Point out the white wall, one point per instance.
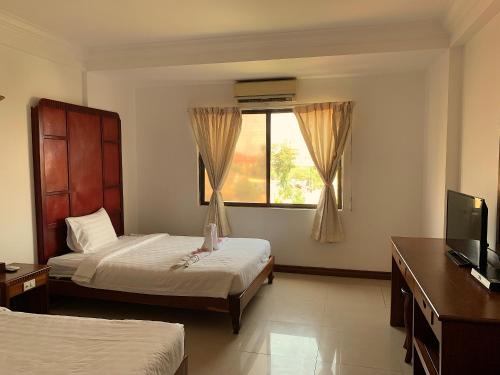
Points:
(118, 97)
(481, 118)
(385, 171)
(442, 136)
(434, 147)
(23, 79)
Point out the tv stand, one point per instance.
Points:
(456, 322)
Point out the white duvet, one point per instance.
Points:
(61, 345)
(144, 264)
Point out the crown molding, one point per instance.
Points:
(465, 17)
(21, 35)
(314, 43)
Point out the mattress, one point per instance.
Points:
(64, 266)
(144, 264)
(46, 344)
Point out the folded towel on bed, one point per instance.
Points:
(212, 242)
(219, 244)
(211, 238)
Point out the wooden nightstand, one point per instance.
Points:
(27, 289)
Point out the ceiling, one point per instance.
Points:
(105, 23)
(315, 67)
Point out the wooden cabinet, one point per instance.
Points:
(26, 289)
(456, 322)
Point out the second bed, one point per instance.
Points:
(49, 344)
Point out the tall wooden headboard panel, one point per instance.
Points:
(77, 169)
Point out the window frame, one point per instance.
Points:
(267, 112)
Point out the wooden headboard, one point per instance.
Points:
(77, 169)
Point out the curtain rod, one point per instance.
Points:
(249, 106)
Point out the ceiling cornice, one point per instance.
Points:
(19, 34)
(325, 42)
(465, 17)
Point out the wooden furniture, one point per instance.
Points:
(456, 322)
(26, 289)
(77, 170)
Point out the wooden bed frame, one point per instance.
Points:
(77, 170)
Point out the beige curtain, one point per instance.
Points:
(216, 131)
(325, 128)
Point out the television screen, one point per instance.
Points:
(466, 221)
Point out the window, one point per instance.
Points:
(271, 165)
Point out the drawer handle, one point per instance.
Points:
(432, 317)
(399, 261)
(423, 303)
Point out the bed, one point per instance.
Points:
(77, 171)
(50, 344)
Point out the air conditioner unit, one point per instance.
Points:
(266, 91)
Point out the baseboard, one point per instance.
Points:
(379, 275)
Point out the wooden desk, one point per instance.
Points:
(456, 322)
(14, 294)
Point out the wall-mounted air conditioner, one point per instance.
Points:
(266, 91)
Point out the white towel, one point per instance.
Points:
(211, 238)
(219, 244)
(210, 244)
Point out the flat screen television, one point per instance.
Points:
(466, 226)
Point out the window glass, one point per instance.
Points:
(294, 178)
(246, 181)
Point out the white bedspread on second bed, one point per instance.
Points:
(61, 345)
(144, 265)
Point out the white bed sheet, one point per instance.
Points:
(144, 265)
(61, 345)
(65, 265)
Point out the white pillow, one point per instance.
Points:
(89, 233)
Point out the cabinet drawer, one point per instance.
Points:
(399, 262)
(429, 313)
(409, 279)
(404, 270)
(18, 287)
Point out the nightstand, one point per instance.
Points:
(27, 289)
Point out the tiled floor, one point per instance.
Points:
(299, 325)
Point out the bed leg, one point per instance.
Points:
(270, 278)
(236, 320)
(235, 312)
